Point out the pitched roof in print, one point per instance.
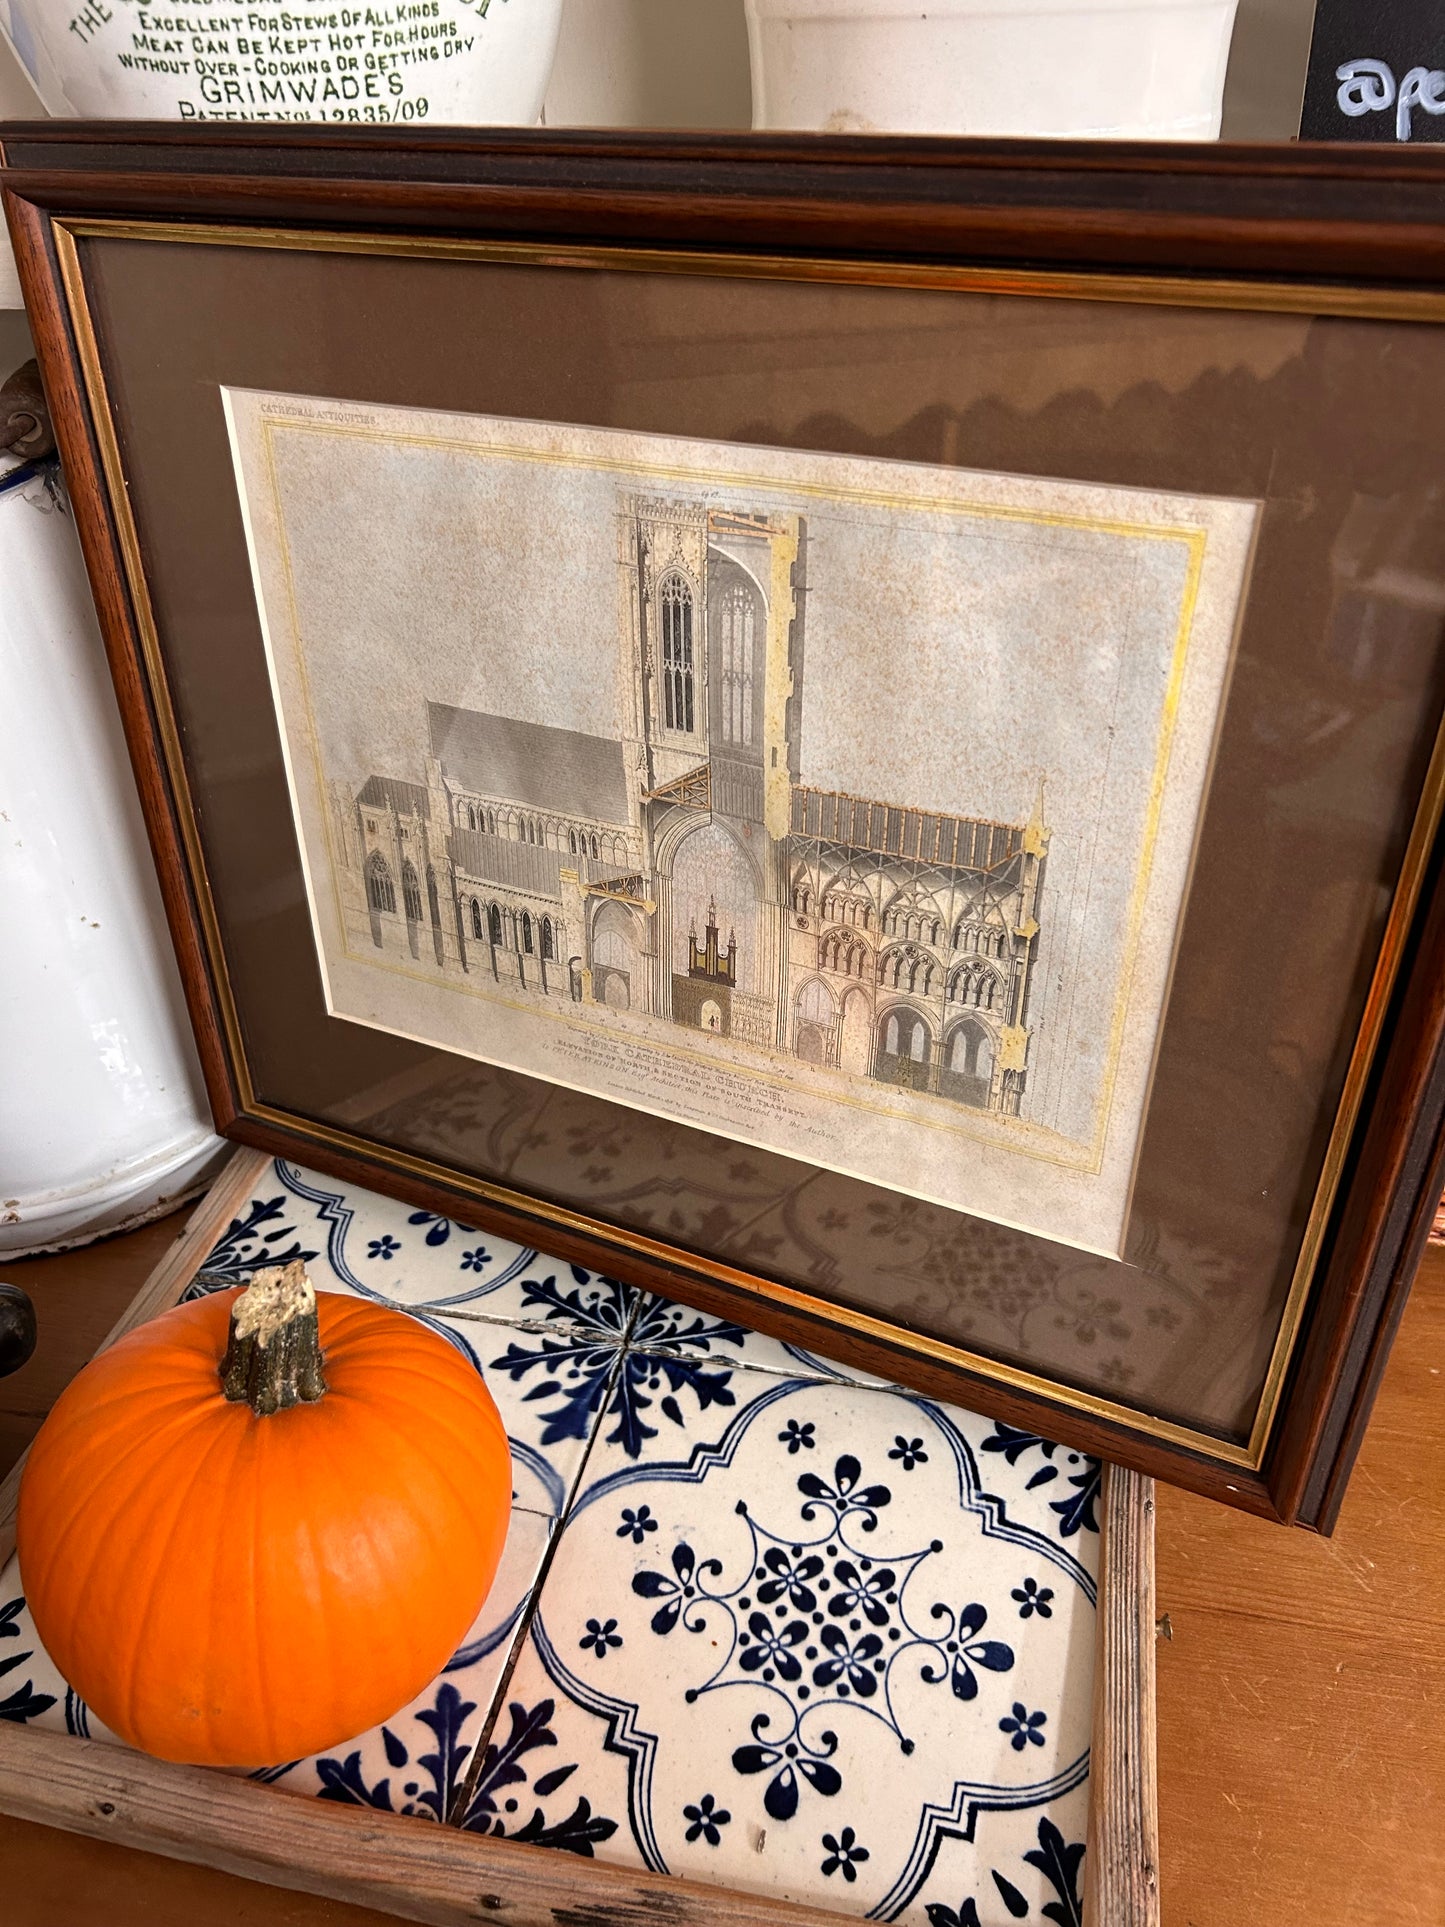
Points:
(389, 792)
(895, 829)
(530, 763)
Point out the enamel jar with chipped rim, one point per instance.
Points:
(103, 1118)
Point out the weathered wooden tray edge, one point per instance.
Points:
(442, 1876)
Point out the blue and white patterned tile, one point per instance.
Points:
(1047, 1486)
(357, 1241)
(791, 1642)
(414, 1763)
(1024, 1864)
(521, 1787)
(32, 1691)
(675, 1367)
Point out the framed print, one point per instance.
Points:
(846, 729)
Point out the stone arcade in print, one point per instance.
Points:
(681, 870)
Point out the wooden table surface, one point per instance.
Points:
(1301, 1697)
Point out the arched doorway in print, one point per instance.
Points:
(712, 876)
(813, 1023)
(856, 1037)
(710, 1016)
(616, 963)
(966, 1070)
(616, 990)
(905, 1048)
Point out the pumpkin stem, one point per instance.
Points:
(273, 1354)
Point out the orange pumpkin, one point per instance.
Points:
(260, 1524)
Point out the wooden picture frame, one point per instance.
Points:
(1338, 243)
(439, 1874)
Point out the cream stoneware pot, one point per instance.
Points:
(103, 1118)
(399, 62)
(1111, 69)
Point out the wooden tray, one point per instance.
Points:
(440, 1874)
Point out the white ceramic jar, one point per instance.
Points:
(1106, 69)
(398, 62)
(103, 1117)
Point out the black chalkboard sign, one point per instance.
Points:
(1376, 73)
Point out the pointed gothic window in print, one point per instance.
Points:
(675, 602)
(738, 616)
(380, 890)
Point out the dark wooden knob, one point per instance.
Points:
(17, 1329)
(24, 418)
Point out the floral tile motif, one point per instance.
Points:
(31, 1690)
(672, 1366)
(40, 1695)
(519, 1797)
(812, 1639)
(1029, 1866)
(414, 1763)
(660, 1365)
(1048, 1487)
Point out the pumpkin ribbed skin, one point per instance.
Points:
(232, 1590)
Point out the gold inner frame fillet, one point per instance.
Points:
(1218, 293)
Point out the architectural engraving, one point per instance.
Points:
(682, 871)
